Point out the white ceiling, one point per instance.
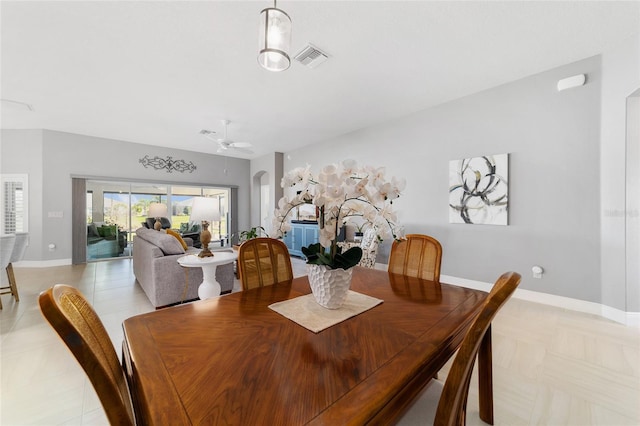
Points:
(159, 72)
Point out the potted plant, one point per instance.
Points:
(340, 192)
(359, 232)
(254, 232)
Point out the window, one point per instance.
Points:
(15, 196)
(89, 207)
(180, 209)
(125, 205)
(181, 201)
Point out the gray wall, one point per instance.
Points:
(553, 141)
(567, 176)
(64, 155)
(21, 153)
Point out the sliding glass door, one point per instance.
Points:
(181, 201)
(220, 230)
(114, 210)
(108, 220)
(142, 195)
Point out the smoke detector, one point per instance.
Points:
(311, 56)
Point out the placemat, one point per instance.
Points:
(305, 311)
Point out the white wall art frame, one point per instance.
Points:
(479, 190)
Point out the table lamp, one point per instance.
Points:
(205, 210)
(158, 211)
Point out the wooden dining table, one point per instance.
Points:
(232, 360)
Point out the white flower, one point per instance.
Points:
(297, 175)
(376, 175)
(396, 187)
(349, 168)
(305, 196)
(326, 237)
(388, 214)
(359, 189)
(342, 192)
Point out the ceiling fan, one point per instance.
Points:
(225, 143)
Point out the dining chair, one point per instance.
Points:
(263, 261)
(416, 256)
(22, 241)
(6, 249)
(446, 404)
(369, 246)
(73, 318)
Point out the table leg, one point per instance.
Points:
(485, 378)
(210, 287)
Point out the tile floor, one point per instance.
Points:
(551, 366)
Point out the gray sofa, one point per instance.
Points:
(156, 268)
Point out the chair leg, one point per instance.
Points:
(12, 282)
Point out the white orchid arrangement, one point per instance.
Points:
(341, 192)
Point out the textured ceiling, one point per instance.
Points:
(159, 72)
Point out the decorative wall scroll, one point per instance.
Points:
(168, 163)
(479, 190)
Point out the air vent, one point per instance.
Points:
(311, 56)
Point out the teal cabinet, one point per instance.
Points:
(301, 235)
(288, 240)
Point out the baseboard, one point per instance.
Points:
(42, 263)
(630, 319)
(633, 319)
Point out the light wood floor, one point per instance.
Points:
(551, 366)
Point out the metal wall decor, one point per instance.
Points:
(168, 163)
(479, 190)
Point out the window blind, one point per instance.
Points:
(14, 204)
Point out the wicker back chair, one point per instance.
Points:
(451, 399)
(417, 256)
(73, 318)
(263, 261)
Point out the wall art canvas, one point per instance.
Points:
(479, 190)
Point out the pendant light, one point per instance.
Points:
(275, 38)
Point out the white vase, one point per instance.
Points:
(329, 286)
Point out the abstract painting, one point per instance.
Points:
(479, 190)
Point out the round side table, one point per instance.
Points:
(210, 287)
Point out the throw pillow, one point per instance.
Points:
(178, 237)
(166, 243)
(169, 245)
(107, 231)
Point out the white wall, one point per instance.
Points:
(64, 155)
(270, 166)
(621, 77)
(553, 141)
